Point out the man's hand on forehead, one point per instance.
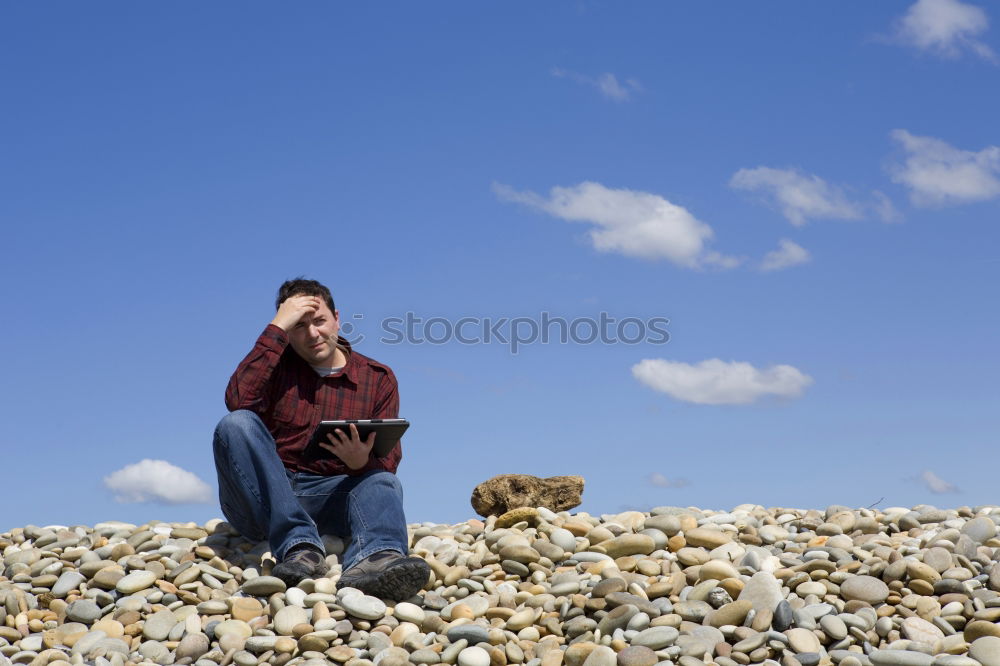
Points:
(294, 309)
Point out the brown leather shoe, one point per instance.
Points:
(301, 562)
(387, 575)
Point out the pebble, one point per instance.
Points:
(703, 537)
(407, 612)
(637, 655)
(732, 613)
(656, 638)
(833, 626)
(986, 650)
(563, 538)
(193, 646)
(802, 640)
(136, 581)
(601, 656)
(783, 616)
(263, 586)
(474, 656)
(900, 658)
(762, 590)
(287, 618)
(364, 606)
(258, 644)
(66, 583)
(245, 608)
(213, 607)
(83, 610)
(920, 630)
(158, 625)
(629, 544)
(154, 651)
(473, 633)
(236, 628)
(869, 589)
(980, 529)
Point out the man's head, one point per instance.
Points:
(314, 337)
(304, 287)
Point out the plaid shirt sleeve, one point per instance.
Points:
(249, 386)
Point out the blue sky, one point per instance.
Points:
(808, 193)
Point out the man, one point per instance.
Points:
(300, 372)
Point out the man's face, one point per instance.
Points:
(314, 338)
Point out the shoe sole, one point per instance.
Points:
(397, 582)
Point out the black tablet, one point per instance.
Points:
(387, 433)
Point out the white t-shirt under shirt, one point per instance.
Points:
(326, 372)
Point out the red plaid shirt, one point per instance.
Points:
(291, 398)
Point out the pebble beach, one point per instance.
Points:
(854, 587)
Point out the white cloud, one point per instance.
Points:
(629, 222)
(944, 27)
(799, 196)
(607, 83)
(938, 174)
(936, 484)
(788, 254)
(660, 481)
(715, 382)
(884, 208)
(157, 481)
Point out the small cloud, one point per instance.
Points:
(607, 83)
(788, 254)
(884, 208)
(628, 222)
(936, 484)
(946, 28)
(939, 174)
(660, 481)
(157, 481)
(715, 382)
(799, 196)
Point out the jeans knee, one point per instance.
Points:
(384, 482)
(234, 427)
(234, 422)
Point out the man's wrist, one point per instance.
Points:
(355, 469)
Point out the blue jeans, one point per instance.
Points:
(263, 500)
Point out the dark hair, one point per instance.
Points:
(302, 287)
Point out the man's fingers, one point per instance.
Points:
(307, 301)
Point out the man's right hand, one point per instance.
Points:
(294, 309)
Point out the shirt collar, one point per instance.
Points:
(350, 370)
